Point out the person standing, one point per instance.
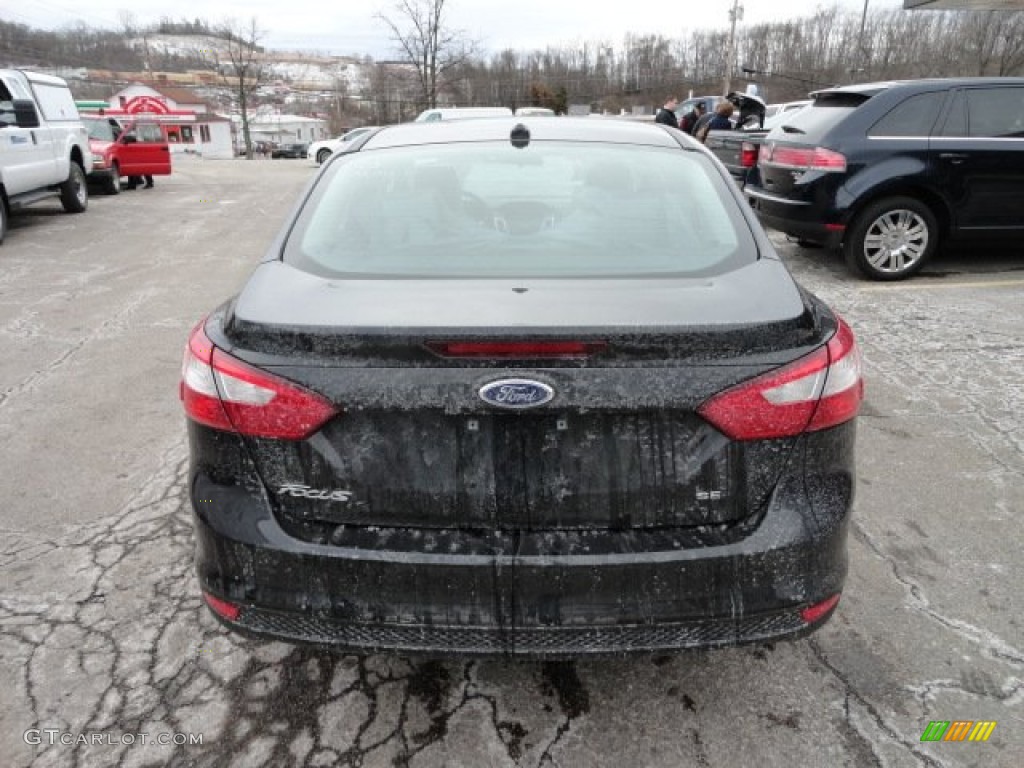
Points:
(667, 114)
(135, 181)
(714, 121)
(721, 121)
(689, 120)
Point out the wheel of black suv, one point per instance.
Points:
(892, 238)
(3, 220)
(74, 193)
(112, 185)
(322, 156)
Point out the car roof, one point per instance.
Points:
(540, 129)
(868, 89)
(871, 89)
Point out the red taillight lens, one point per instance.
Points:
(816, 392)
(828, 160)
(517, 349)
(802, 158)
(198, 390)
(813, 613)
(748, 154)
(224, 393)
(223, 608)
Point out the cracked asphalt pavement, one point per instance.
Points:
(103, 637)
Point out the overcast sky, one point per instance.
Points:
(350, 27)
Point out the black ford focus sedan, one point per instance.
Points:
(522, 386)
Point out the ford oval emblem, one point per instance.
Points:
(516, 393)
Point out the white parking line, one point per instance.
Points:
(927, 285)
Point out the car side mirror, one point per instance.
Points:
(128, 138)
(25, 115)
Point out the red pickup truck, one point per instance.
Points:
(133, 149)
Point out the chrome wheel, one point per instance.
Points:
(896, 241)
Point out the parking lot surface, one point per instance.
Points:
(106, 650)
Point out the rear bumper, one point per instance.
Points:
(531, 594)
(797, 218)
(529, 642)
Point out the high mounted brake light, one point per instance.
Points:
(532, 350)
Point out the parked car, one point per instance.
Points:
(786, 106)
(471, 403)
(44, 149)
(293, 150)
(738, 149)
(709, 102)
(137, 148)
(890, 171)
(460, 113)
(260, 148)
(320, 151)
(534, 112)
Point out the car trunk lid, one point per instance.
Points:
(618, 446)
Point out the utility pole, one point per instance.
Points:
(860, 39)
(735, 14)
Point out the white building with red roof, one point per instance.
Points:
(190, 124)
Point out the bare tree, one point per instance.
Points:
(420, 30)
(239, 60)
(390, 87)
(1011, 56)
(993, 41)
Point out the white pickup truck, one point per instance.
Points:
(44, 148)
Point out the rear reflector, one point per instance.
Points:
(225, 393)
(819, 391)
(530, 350)
(802, 158)
(223, 608)
(813, 613)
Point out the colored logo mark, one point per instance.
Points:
(958, 730)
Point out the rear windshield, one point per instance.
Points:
(552, 209)
(781, 118)
(812, 123)
(101, 130)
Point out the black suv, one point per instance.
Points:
(295, 150)
(888, 170)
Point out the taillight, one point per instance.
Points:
(224, 393)
(526, 350)
(818, 391)
(802, 158)
(748, 154)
